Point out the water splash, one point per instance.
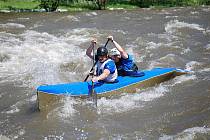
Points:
(65, 109)
(184, 78)
(167, 61)
(3, 137)
(54, 137)
(90, 14)
(207, 47)
(15, 107)
(173, 25)
(68, 108)
(128, 102)
(188, 134)
(12, 25)
(35, 58)
(193, 65)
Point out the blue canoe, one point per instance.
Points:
(49, 93)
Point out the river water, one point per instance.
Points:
(49, 48)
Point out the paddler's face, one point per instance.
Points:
(102, 58)
(116, 58)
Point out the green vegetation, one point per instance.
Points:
(49, 5)
(18, 4)
(169, 3)
(81, 5)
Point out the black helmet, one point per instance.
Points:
(101, 51)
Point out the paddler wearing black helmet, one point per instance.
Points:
(105, 67)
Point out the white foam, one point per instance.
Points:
(3, 137)
(192, 65)
(12, 25)
(153, 93)
(35, 57)
(207, 31)
(20, 132)
(187, 134)
(54, 137)
(207, 47)
(171, 17)
(184, 78)
(69, 17)
(173, 25)
(205, 70)
(164, 61)
(147, 18)
(154, 64)
(194, 12)
(91, 14)
(185, 51)
(169, 57)
(153, 45)
(128, 102)
(33, 98)
(24, 18)
(206, 9)
(14, 109)
(67, 110)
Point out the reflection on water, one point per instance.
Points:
(49, 48)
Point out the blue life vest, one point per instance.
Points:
(127, 67)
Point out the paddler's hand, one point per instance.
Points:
(91, 73)
(93, 41)
(95, 79)
(110, 38)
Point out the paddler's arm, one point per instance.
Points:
(90, 49)
(123, 53)
(102, 76)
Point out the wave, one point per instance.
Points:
(193, 65)
(12, 25)
(35, 58)
(4, 137)
(173, 25)
(129, 102)
(189, 134)
(184, 78)
(207, 47)
(66, 110)
(167, 61)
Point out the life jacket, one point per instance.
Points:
(100, 68)
(126, 67)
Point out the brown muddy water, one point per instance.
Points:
(49, 48)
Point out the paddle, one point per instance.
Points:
(92, 86)
(94, 63)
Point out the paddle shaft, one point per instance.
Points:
(93, 94)
(92, 86)
(94, 63)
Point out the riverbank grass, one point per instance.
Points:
(18, 4)
(121, 6)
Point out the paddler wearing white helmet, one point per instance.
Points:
(124, 62)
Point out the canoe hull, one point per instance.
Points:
(47, 100)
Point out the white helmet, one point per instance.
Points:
(114, 51)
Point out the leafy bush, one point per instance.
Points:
(49, 5)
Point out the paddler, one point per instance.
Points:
(105, 67)
(124, 61)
